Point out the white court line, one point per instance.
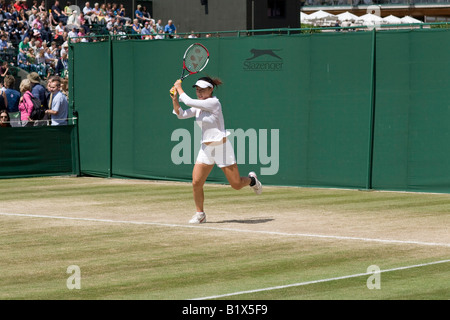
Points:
(320, 281)
(305, 235)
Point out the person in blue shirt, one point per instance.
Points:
(12, 95)
(140, 15)
(59, 105)
(170, 28)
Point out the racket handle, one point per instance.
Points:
(173, 90)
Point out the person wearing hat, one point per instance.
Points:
(215, 146)
(37, 90)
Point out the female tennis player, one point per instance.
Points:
(215, 148)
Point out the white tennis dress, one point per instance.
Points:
(209, 117)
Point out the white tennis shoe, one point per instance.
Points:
(199, 217)
(258, 186)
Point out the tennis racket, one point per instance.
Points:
(195, 60)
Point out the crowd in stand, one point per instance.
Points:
(36, 39)
(17, 107)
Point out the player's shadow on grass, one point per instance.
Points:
(247, 221)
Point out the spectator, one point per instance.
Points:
(4, 69)
(59, 105)
(3, 43)
(83, 23)
(147, 31)
(104, 14)
(139, 15)
(100, 13)
(3, 102)
(136, 28)
(68, 9)
(42, 7)
(159, 26)
(72, 20)
(73, 33)
(26, 105)
(170, 29)
(37, 23)
(89, 14)
(32, 16)
(120, 14)
(4, 119)
(37, 89)
(146, 13)
(58, 14)
(19, 5)
(59, 33)
(35, 6)
(12, 95)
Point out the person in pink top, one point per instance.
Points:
(25, 104)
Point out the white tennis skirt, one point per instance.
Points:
(221, 154)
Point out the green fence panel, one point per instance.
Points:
(412, 132)
(38, 151)
(91, 96)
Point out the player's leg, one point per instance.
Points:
(226, 160)
(236, 181)
(199, 175)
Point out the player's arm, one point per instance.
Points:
(177, 110)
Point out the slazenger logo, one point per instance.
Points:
(263, 60)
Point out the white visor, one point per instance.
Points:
(202, 84)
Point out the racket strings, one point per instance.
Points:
(196, 58)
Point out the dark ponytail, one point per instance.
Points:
(214, 81)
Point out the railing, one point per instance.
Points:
(373, 2)
(279, 31)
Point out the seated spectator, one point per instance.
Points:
(170, 28)
(4, 69)
(147, 31)
(139, 15)
(58, 14)
(62, 66)
(73, 33)
(37, 23)
(3, 42)
(99, 13)
(4, 118)
(159, 26)
(89, 14)
(121, 14)
(42, 7)
(59, 33)
(146, 13)
(73, 19)
(82, 33)
(19, 5)
(13, 33)
(35, 6)
(32, 16)
(136, 28)
(68, 9)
